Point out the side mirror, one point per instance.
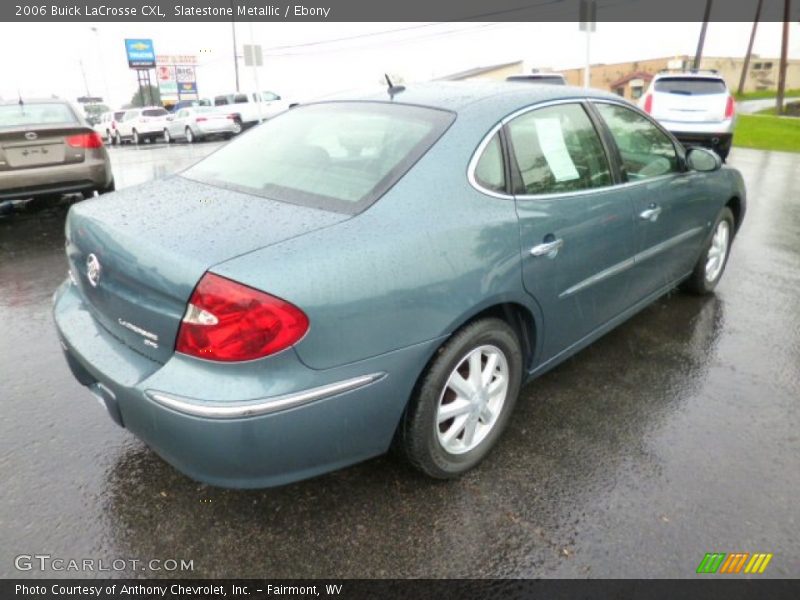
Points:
(703, 159)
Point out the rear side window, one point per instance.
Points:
(490, 170)
(220, 101)
(558, 150)
(338, 156)
(118, 115)
(690, 86)
(154, 112)
(27, 115)
(240, 99)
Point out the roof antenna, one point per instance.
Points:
(393, 89)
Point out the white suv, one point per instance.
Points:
(696, 106)
(140, 124)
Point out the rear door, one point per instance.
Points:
(575, 225)
(669, 202)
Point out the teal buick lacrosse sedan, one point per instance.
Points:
(382, 270)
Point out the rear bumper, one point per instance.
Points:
(197, 415)
(94, 173)
(216, 129)
(715, 141)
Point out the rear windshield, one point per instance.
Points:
(339, 156)
(154, 112)
(118, 115)
(26, 115)
(690, 86)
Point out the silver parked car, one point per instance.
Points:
(195, 123)
(695, 106)
(47, 148)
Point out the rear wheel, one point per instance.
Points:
(237, 127)
(711, 264)
(190, 137)
(167, 137)
(135, 136)
(109, 139)
(117, 139)
(463, 401)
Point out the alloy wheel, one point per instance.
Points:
(472, 399)
(718, 251)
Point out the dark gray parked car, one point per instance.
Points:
(47, 148)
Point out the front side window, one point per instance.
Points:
(646, 151)
(339, 156)
(558, 150)
(490, 170)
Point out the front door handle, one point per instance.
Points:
(650, 214)
(548, 249)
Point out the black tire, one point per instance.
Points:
(88, 194)
(135, 137)
(190, 136)
(417, 436)
(109, 188)
(109, 141)
(698, 283)
(167, 137)
(117, 139)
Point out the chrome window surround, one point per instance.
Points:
(476, 156)
(261, 406)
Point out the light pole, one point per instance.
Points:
(235, 57)
(102, 66)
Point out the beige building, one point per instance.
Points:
(630, 79)
(496, 72)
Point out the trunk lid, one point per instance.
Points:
(136, 255)
(689, 99)
(30, 148)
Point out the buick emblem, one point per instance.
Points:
(93, 269)
(31, 135)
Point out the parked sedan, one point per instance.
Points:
(388, 269)
(197, 123)
(48, 149)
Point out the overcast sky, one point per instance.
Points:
(304, 60)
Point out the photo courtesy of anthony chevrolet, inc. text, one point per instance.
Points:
(369, 300)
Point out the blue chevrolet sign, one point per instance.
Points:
(140, 54)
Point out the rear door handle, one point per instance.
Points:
(548, 249)
(650, 214)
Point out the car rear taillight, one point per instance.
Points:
(730, 108)
(85, 140)
(648, 104)
(201, 119)
(227, 321)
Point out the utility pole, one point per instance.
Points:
(784, 57)
(699, 54)
(746, 64)
(235, 57)
(588, 22)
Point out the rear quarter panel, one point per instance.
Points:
(412, 267)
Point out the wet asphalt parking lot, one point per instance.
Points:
(675, 435)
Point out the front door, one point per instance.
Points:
(575, 225)
(669, 203)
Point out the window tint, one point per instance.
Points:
(646, 150)
(118, 115)
(220, 101)
(240, 99)
(690, 86)
(558, 150)
(490, 171)
(339, 155)
(154, 112)
(50, 113)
